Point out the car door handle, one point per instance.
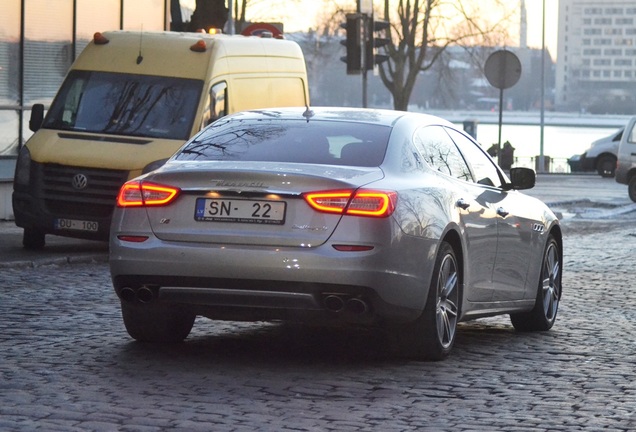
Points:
(462, 203)
(502, 212)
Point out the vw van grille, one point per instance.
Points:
(75, 191)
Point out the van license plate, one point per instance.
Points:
(240, 211)
(76, 225)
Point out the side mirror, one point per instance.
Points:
(521, 178)
(37, 117)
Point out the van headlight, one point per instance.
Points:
(23, 167)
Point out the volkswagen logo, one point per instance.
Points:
(79, 182)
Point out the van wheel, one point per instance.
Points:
(631, 188)
(606, 166)
(32, 239)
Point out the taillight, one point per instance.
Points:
(143, 194)
(360, 202)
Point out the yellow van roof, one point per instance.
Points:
(169, 53)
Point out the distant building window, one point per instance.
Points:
(607, 74)
(628, 74)
(602, 41)
(586, 42)
(602, 21)
(593, 11)
(587, 21)
(630, 52)
(630, 31)
(602, 62)
(623, 62)
(591, 51)
(630, 11)
(625, 21)
(617, 74)
(614, 11)
(613, 31)
(613, 52)
(623, 42)
(592, 31)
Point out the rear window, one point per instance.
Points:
(277, 140)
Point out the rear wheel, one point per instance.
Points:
(33, 239)
(631, 188)
(157, 322)
(544, 313)
(606, 166)
(432, 335)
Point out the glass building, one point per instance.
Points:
(39, 40)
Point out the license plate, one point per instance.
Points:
(240, 211)
(76, 225)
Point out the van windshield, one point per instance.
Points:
(125, 104)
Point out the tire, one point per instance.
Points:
(432, 335)
(157, 322)
(33, 239)
(606, 166)
(631, 188)
(543, 315)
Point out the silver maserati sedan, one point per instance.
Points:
(331, 216)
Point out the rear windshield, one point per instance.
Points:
(277, 140)
(125, 104)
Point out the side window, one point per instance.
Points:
(440, 153)
(218, 102)
(484, 169)
(632, 135)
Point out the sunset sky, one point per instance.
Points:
(302, 15)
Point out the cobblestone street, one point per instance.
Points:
(68, 364)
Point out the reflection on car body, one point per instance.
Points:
(334, 215)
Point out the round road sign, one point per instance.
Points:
(502, 69)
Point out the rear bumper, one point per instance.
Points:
(235, 282)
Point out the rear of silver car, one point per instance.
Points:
(261, 219)
(245, 244)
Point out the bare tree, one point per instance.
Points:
(421, 30)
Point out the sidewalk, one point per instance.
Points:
(569, 195)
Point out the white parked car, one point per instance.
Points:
(601, 156)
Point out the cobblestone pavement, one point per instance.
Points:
(67, 363)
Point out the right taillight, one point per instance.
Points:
(361, 202)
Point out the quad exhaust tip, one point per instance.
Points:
(143, 294)
(337, 303)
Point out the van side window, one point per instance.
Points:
(218, 101)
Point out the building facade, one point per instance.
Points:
(596, 56)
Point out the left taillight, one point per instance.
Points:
(361, 202)
(144, 194)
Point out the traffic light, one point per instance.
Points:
(353, 43)
(373, 42)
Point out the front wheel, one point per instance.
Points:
(157, 322)
(33, 239)
(432, 335)
(631, 188)
(606, 166)
(544, 313)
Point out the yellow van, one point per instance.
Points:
(129, 101)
